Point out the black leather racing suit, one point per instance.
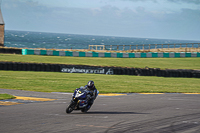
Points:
(93, 94)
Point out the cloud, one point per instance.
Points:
(174, 1)
(141, 0)
(185, 1)
(138, 20)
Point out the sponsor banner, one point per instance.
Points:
(88, 70)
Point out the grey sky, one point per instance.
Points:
(165, 19)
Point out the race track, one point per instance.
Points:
(139, 113)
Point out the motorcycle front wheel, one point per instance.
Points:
(70, 108)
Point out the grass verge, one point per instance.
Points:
(6, 96)
(67, 82)
(163, 63)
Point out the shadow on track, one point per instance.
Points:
(110, 112)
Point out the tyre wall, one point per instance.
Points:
(18, 66)
(11, 50)
(111, 54)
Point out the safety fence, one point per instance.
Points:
(100, 54)
(110, 54)
(18, 66)
(144, 46)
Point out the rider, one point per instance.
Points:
(90, 87)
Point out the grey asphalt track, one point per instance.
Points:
(165, 113)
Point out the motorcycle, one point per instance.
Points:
(80, 100)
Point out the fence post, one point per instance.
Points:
(186, 48)
(149, 47)
(123, 47)
(198, 46)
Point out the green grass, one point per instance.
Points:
(67, 82)
(6, 96)
(170, 63)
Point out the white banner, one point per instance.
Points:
(81, 70)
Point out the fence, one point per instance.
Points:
(111, 54)
(100, 47)
(144, 46)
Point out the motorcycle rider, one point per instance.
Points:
(93, 91)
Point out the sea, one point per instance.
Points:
(28, 39)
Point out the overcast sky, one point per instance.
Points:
(161, 19)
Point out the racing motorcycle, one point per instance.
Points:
(80, 100)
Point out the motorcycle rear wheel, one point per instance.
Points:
(70, 108)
